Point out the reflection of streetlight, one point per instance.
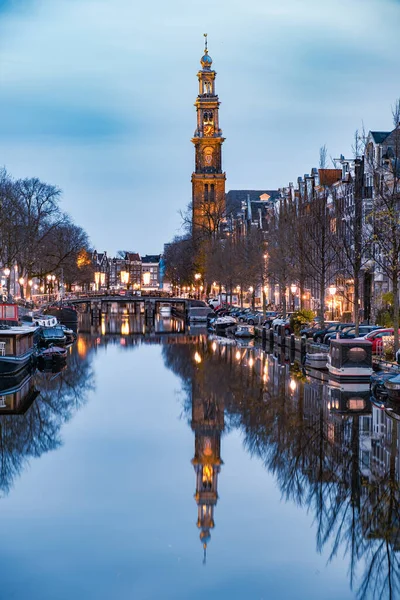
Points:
(292, 385)
(332, 291)
(293, 289)
(197, 357)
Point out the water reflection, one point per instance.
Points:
(331, 451)
(33, 408)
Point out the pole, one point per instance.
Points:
(332, 309)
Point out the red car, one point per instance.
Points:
(377, 338)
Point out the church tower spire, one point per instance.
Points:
(208, 179)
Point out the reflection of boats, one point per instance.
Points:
(165, 309)
(244, 331)
(19, 394)
(65, 313)
(222, 341)
(53, 358)
(350, 360)
(245, 342)
(16, 348)
(345, 401)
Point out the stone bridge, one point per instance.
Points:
(99, 304)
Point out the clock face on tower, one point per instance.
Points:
(208, 130)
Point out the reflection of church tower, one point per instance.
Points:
(208, 179)
(207, 423)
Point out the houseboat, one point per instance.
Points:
(350, 360)
(65, 313)
(316, 360)
(165, 310)
(199, 313)
(16, 349)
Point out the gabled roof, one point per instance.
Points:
(132, 257)
(235, 198)
(151, 258)
(379, 136)
(329, 176)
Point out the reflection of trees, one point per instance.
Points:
(316, 454)
(38, 430)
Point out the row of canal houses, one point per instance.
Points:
(129, 270)
(350, 194)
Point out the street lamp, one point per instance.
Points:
(332, 291)
(293, 289)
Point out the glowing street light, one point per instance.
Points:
(7, 272)
(332, 291)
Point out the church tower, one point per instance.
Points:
(208, 179)
(207, 424)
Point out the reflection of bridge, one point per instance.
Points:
(147, 305)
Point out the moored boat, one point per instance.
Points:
(316, 360)
(392, 387)
(16, 349)
(51, 335)
(165, 309)
(244, 331)
(65, 313)
(221, 324)
(350, 360)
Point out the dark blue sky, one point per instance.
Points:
(97, 97)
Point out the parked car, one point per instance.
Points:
(319, 335)
(349, 333)
(242, 316)
(270, 319)
(377, 338)
(254, 317)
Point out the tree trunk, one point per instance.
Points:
(356, 302)
(396, 309)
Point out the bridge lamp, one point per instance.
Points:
(7, 272)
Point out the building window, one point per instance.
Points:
(212, 193)
(206, 192)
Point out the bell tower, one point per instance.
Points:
(208, 179)
(208, 425)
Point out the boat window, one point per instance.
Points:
(357, 354)
(9, 348)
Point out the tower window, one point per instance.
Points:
(208, 117)
(207, 87)
(212, 193)
(206, 192)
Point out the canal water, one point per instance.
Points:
(170, 465)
